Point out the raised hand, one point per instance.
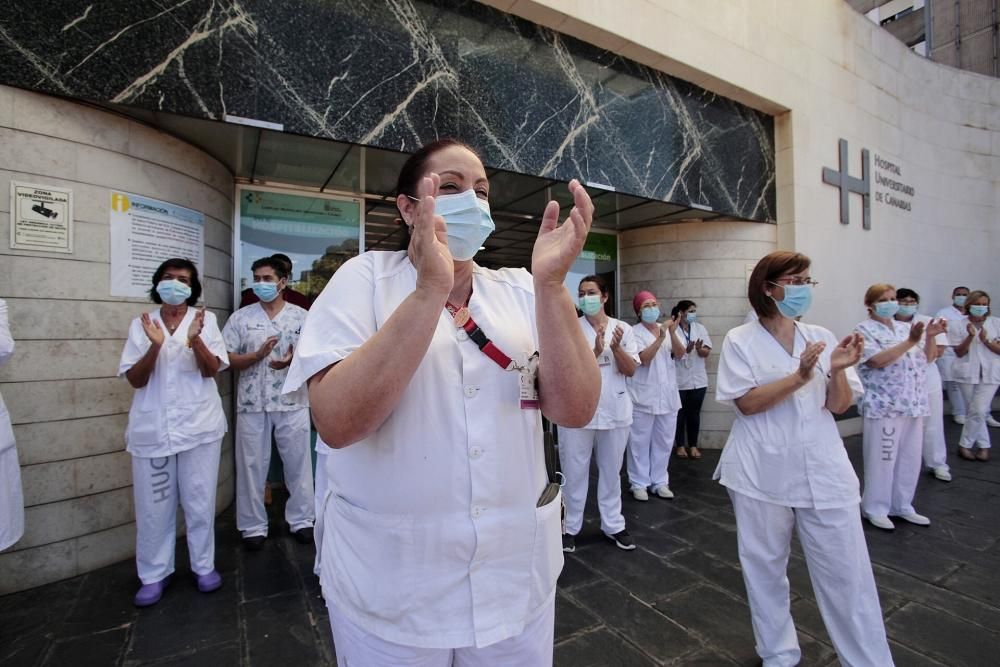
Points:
(673, 322)
(807, 362)
(916, 332)
(699, 345)
(429, 249)
(616, 337)
(938, 326)
(599, 341)
(970, 329)
(982, 334)
(847, 353)
(557, 247)
(283, 362)
(154, 332)
(266, 347)
(197, 324)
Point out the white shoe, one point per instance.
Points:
(639, 493)
(942, 474)
(915, 519)
(663, 491)
(880, 522)
(959, 419)
(992, 422)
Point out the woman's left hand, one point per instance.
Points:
(935, 327)
(557, 247)
(197, 324)
(283, 362)
(847, 353)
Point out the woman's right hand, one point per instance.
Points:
(266, 347)
(807, 362)
(154, 332)
(599, 341)
(917, 332)
(429, 247)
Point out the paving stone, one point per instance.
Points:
(104, 600)
(703, 535)
(976, 582)
(905, 657)
(216, 655)
(571, 618)
(648, 576)
(96, 648)
(599, 648)
(574, 572)
(268, 571)
(701, 658)
(657, 540)
(655, 512)
(279, 631)
(913, 589)
(943, 637)
(721, 620)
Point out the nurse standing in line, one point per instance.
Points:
(953, 313)
(692, 378)
(977, 371)
(175, 428)
(607, 433)
(935, 449)
(785, 467)
(439, 533)
(894, 372)
(653, 388)
(11, 496)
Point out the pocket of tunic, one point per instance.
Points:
(547, 554)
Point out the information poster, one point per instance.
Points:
(144, 233)
(41, 218)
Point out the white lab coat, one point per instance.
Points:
(978, 376)
(11, 496)
(430, 532)
(691, 372)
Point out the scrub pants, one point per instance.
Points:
(253, 455)
(651, 440)
(357, 648)
(935, 447)
(158, 483)
(892, 450)
(840, 571)
(575, 448)
(958, 402)
(689, 418)
(978, 400)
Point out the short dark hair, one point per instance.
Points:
(683, 304)
(284, 259)
(768, 269)
(177, 263)
(602, 284)
(274, 262)
(958, 288)
(907, 293)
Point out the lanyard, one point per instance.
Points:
(463, 320)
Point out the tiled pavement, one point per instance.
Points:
(677, 600)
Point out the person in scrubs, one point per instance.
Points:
(175, 428)
(954, 312)
(11, 495)
(439, 536)
(785, 467)
(976, 341)
(692, 377)
(606, 435)
(655, 400)
(894, 373)
(935, 450)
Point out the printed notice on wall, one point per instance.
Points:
(144, 233)
(41, 218)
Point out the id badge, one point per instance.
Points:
(528, 384)
(604, 360)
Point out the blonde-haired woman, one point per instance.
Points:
(976, 340)
(893, 371)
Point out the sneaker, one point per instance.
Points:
(254, 543)
(992, 422)
(150, 594)
(622, 540)
(209, 582)
(639, 493)
(942, 474)
(569, 543)
(663, 491)
(915, 519)
(880, 522)
(959, 419)
(303, 535)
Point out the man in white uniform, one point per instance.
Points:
(261, 339)
(11, 498)
(953, 313)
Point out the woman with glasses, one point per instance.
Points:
(692, 378)
(977, 370)
(894, 373)
(786, 468)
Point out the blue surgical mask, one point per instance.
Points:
(173, 292)
(907, 311)
(959, 300)
(650, 314)
(266, 292)
(691, 317)
(978, 311)
(797, 300)
(469, 222)
(886, 308)
(590, 304)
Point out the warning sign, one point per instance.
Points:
(41, 218)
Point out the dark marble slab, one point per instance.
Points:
(397, 74)
(600, 648)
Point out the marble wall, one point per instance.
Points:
(398, 73)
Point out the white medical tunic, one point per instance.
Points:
(979, 365)
(947, 358)
(791, 454)
(178, 409)
(691, 372)
(432, 537)
(653, 387)
(614, 410)
(11, 496)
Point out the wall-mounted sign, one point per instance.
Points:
(41, 218)
(144, 233)
(890, 188)
(840, 178)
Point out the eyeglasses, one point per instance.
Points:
(798, 282)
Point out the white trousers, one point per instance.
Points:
(935, 448)
(358, 648)
(892, 451)
(651, 440)
(322, 483)
(253, 456)
(575, 448)
(944, 364)
(11, 498)
(840, 571)
(978, 400)
(158, 484)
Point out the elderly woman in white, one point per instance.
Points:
(976, 340)
(11, 497)
(438, 545)
(785, 468)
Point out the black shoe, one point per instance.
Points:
(569, 543)
(255, 543)
(622, 540)
(303, 535)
